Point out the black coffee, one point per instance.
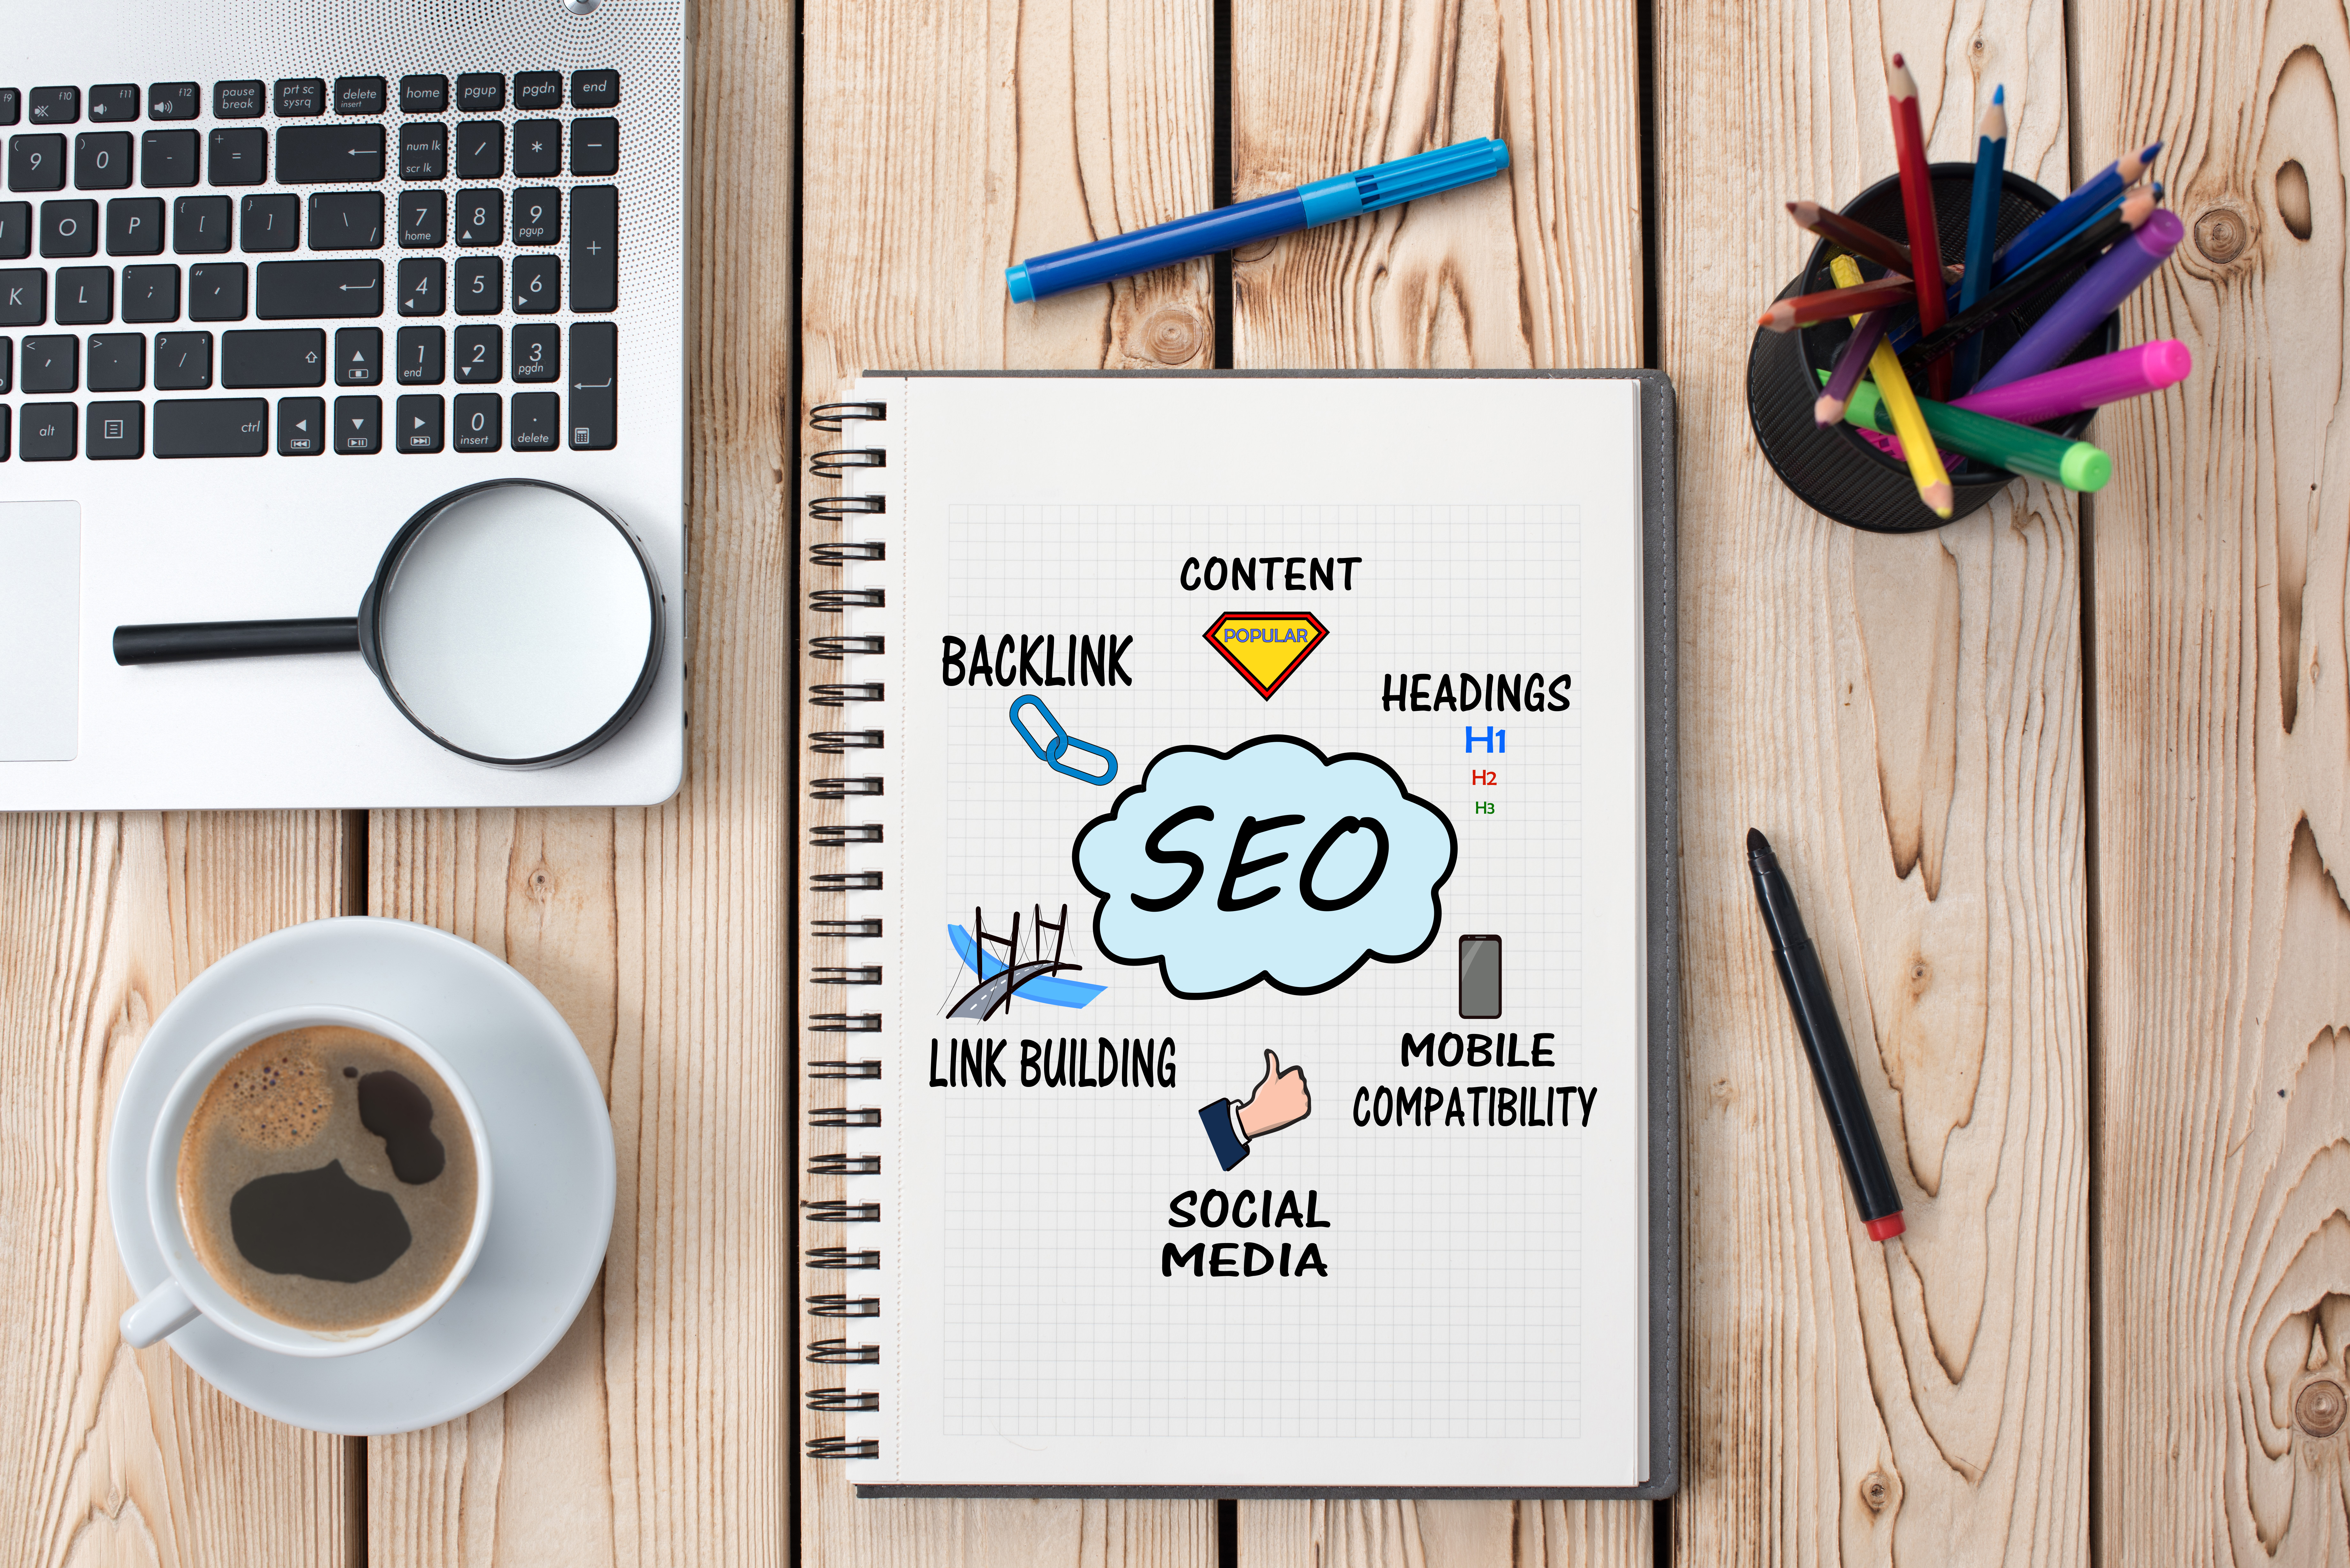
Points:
(328, 1178)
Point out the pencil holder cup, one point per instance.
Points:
(1836, 471)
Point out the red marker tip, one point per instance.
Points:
(1885, 1230)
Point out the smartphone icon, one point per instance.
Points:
(1480, 977)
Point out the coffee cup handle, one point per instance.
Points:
(163, 1311)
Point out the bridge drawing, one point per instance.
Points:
(1000, 978)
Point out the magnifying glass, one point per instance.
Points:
(515, 622)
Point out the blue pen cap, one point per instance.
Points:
(1405, 179)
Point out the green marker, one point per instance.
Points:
(2075, 464)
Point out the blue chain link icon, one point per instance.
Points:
(1062, 743)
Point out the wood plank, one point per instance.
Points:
(1902, 716)
(942, 143)
(1540, 268)
(120, 1456)
(2221, 560)
(656, 1431)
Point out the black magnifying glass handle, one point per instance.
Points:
(178, 642)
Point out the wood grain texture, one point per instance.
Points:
(2223, 564)
(656, 1433)
(1902, 715)
(942, 143)
(1540, 267)
(121, 1457)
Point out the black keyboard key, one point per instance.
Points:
(537, 421)
(423, 95)
(301, 427)
(84, 295)
(537, 352)
(102, 160)
(358, 357)
(293, 290)
(211, 427)
(46, 431)
(151, 293)
(37, 163)
(481, 217)
(537, 284)
(537, 215)
(238, 100)
(424, 219)
(200, 225)
(134, 226)
(481, 353)
(594, 89)
(479, 417)
(183, 362)
(537, 147)
(480, 285)
(116, 100)
(423, 150)
(117, 431)
(595, 248)
(347, 220)
(480, 92)
(359, 425)
(53, 364)
(12, 106)
(118, 362)
(174, 100)
(4, 423)
(594, 146)
(238, 157)
(8, 365)
(56, 104)
(271, 222)
(15, 230)
(358, 95)
(216, 291)
(24, 296)
(481, 149)
(167, 160)
(416, 423)
(423, 282)
(538, 89)
(329, 154)
(300, 97)
(68, 228)
(416, 359)
(595, 367)
(289, 356)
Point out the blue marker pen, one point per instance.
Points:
(1243, 222)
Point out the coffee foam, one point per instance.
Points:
(280, 1100)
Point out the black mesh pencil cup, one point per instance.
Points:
(1836, 471)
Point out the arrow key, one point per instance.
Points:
(301, 427)
(358, 424)
(417, 422)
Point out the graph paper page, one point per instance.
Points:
(1263, 1078)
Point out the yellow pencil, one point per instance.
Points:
(1933, 481)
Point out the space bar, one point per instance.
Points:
(211, 427)
(295, 291)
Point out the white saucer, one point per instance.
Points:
(551, 1140)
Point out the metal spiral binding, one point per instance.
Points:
(844, 1449)
(832, 601)
(845, 881)
(843, 1165)
(835, 1068)
(842, 1399)
(833, 649)
(830, 835)
(833, 508)
(848, 974)
(839, 1351)
(830, 1212)
(832, 743)
(844, 1024)
(847, 1116)
(843, 1258)
(841, 460)
(840, 552)
(841, 789)
(839, 694)
(845, 929)
(844, 1306)
(831, 416)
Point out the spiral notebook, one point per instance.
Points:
(1242, 810)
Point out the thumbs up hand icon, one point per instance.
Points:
(1281, 1099)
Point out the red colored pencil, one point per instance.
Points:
(1786, 315)
(1917, 208)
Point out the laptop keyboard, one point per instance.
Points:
(175, 283)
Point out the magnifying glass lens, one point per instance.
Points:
(516, 624)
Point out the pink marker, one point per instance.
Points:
(2069, 388)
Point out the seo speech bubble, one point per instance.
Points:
(1270, 862)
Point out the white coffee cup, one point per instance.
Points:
(191, 1290)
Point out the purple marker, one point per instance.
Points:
(2069, 388)
(2089, 301)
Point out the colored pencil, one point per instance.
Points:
(1905, 335)
(1983, 231)
(1786, 315)
(2068, 389)
(1925, 470)
(1918, 201)
(2088, 302)
(2019, 449)
(2051, 227)
(2046, 271)
(1851, 364)
(1869, 245)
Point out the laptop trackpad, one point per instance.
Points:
(40, 629)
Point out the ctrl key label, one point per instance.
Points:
(46, 432)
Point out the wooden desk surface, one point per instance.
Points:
(2064, 784)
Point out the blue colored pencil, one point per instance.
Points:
(1904, 334)
(1982, 232)
(2051, 227)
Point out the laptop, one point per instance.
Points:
(275, 274)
